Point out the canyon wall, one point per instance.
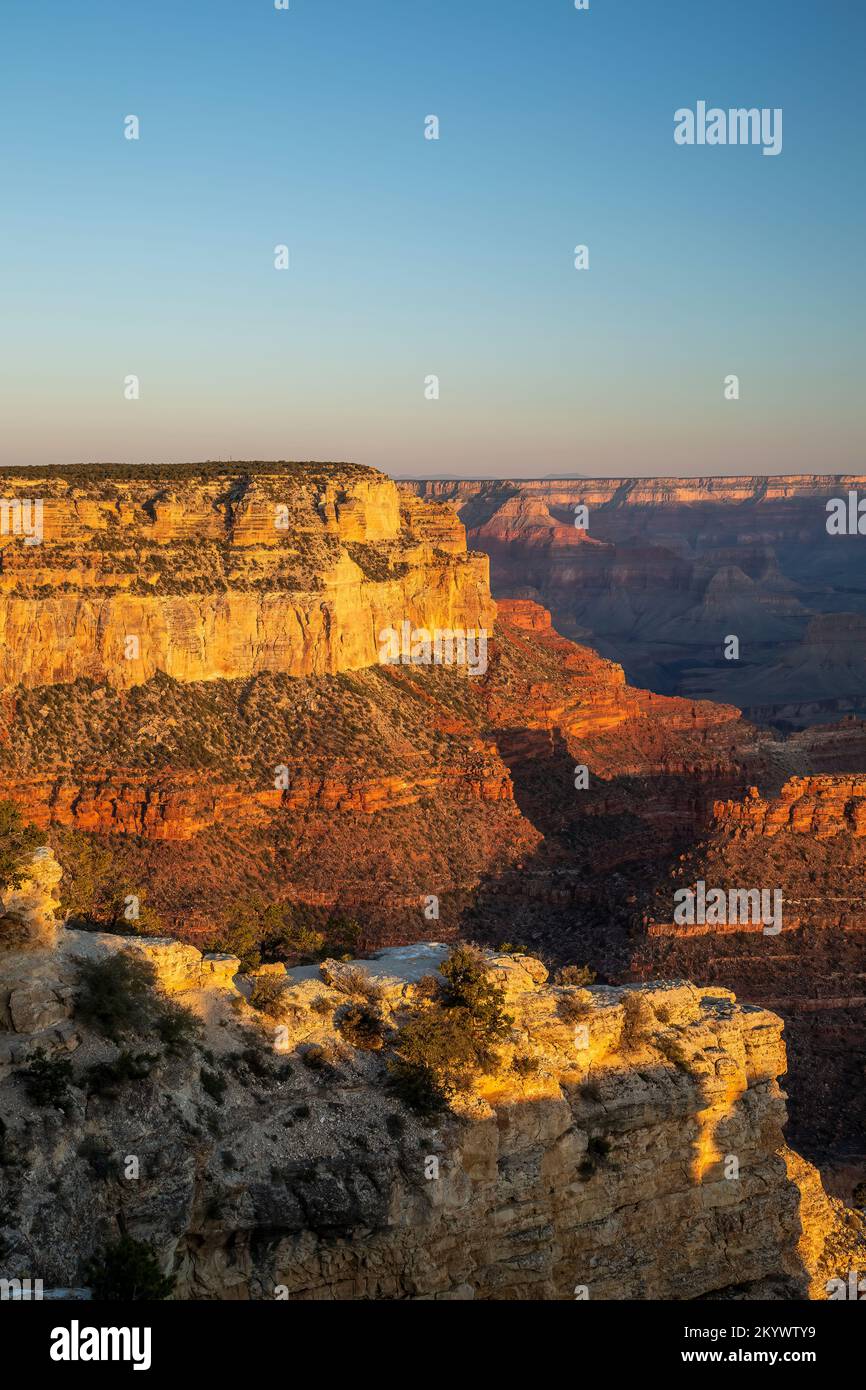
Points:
(660, 571)
(226, 572)
(807, 843)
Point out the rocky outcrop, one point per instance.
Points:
(820, 807)
(806, 844)
(181, 805)
(31, 905)
(224, 571)
(612, 1117)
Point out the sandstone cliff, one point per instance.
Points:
(807, 843)
(821, 807)
(223, 570)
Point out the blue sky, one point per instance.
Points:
(412, 257)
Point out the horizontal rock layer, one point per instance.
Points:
(232, 573)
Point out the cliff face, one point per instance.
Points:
(230, 573)
(808, 844)
(370, 789)
(639, 492)
(667, 568)
(559, 1174)
(821, 807)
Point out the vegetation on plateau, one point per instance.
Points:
(441, 1049)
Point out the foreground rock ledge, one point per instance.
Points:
(638, 1155)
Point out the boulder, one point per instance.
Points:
(34, 1007)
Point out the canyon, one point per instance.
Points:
(668, 567)
(194, 716)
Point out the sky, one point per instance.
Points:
(411, 258)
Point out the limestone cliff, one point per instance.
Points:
(611, 1119)
(223, 571)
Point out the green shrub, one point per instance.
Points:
(89, 882)
(437, 1055)
(269, 995)
(439, 1051)
(395, 1123)
(571, 1009)
(262, 932)
(177, 1027)
(126, 1271)
(525, 1065)
(468, 986)
(108, 1078)
(417, 1086)
(117, 996)
(638, 1021)
(362, 1027)
(353, 979)
(46, 1081)
(579, 975)
(17, 840)
(213, 1084)
(596, 1151)
(344, 935)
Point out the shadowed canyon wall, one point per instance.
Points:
(667, 568)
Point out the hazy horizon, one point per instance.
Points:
(433, 476)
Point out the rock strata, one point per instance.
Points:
(612, 1117)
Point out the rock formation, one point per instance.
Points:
(820, 807)
(610, 1118)
(32, 902)
(230, 571)
(667, 568)
(807, 842)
